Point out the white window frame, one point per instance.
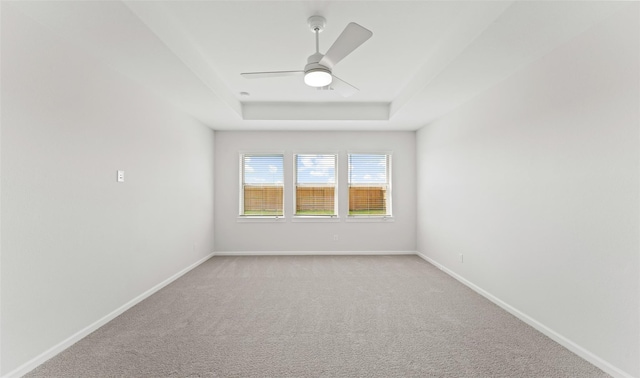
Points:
(316, 217)
(254, 217)
(388, 217)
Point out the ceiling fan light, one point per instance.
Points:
(317, 78)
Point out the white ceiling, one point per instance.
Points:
(425, 57)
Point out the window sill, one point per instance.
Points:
(266, 218)
(370, 218)
(315, 218)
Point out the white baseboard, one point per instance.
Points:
(555, 336)
(51, 352)
(312, 253)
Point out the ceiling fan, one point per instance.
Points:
(317, 73)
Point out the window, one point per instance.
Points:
(262, 189)
(369, 185)
(315, 181)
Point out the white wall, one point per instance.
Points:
(536, 183)
(234, 236)
(76, 245)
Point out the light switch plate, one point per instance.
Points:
(120, 176)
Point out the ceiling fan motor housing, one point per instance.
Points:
(316, 75)
(316, 67)
(313, 68)
(313, 65)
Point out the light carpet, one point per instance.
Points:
(316, 316)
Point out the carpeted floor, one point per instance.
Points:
(316, 316)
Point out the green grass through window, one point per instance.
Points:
(368, 212)
(315, 212)
(263, 212)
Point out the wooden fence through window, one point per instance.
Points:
(367, 198)
(313, 198)
(262, 198)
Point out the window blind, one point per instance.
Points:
(262, 186)
(315, 184)
(369, 184)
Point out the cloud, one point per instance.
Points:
(316, 168)
(273, 169)
(323, 162)
(307, 161)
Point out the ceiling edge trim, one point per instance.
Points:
(315, 111)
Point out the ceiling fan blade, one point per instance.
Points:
(342, 87)
(262, 75)
(351, 37)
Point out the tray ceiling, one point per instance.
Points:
(424, 59)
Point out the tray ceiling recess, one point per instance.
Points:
(393, 65)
